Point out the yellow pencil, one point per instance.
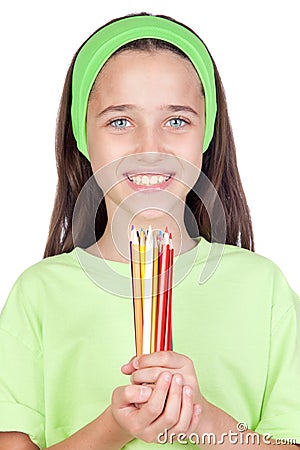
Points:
(147, 298)
(154, 294)
(143, 262)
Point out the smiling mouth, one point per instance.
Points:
(153, 179)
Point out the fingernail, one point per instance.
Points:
(198, 410)
(145, 392)
(179, 380)
(167, 376)
(135, 363)
(188, 391)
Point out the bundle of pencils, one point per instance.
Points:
(151, 255)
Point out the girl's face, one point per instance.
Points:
(145, 126)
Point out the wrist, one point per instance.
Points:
(117, 433)
(102, 433)
(214, 420)
(220, 426)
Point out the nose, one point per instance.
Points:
(150, 147)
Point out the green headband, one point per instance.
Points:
(97, 50)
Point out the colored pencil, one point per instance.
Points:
(142, 242)
(151, 256)
(168, 335)
(137, 294)
(162, 294)
(154, 295)
(147, 293)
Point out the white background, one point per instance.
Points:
(256, 47)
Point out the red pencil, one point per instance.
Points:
(168, 336)
(162, 294)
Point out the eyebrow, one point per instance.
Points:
(178, 108)
(126, 107)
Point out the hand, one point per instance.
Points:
(167, 405)
(147, 368)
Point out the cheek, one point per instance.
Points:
(192, 151)
(104, 173)
(104, 148)
(96, 159)
(99, 151)
(191, 160)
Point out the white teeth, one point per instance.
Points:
(144, 180)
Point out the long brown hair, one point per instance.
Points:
(219, 165)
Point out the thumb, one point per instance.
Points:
(130, 367)
(126, 395)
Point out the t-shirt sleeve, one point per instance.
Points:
(21, 368)
(280, 415)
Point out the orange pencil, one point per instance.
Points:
(137, 292)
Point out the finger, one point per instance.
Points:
(196, 418)
(151, 386)
(126, 395)
(172, 409)
(156, 403)
(149, 375)
(187, 410)
(166, 359)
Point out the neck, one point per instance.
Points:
(113, 245)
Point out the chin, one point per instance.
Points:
(151, 214)
(162, 214)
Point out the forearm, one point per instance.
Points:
(103, 433)
(217, 428)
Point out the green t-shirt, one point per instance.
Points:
(63, 339)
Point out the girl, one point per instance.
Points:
(143, 127)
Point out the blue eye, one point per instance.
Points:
(176, 122)
(119, 123)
